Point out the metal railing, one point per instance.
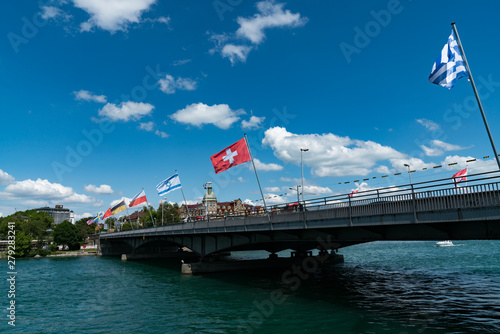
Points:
(481, 190)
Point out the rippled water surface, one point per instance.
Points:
(383, 287)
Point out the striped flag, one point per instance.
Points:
(115, 209)
(460, 176)
(449, 66)
(168, 185)
(138, 199)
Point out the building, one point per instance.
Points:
(217, 210)
(59, 214)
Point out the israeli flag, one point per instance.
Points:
(168, 185)
(449, 66)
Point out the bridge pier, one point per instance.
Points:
(307, 262)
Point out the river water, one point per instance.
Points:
(383, 287)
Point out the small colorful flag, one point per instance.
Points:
(115, 209)
(353, 192)
(460, 176)
(168, 185)
(233, 155)
(449, 66)
(138, 199)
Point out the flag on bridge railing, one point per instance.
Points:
(460, 176)
(138, 199)
(449, 66)
(168, 185)
(233, 155)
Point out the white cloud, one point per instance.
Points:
(126, 111)
(112, 15)
(271, 15)
(253, 123)
(103, 189)
(432, 152)
(44, 190)
(199, 114)
(5, 178)
(161, 134)
(317, 190)
(85, 95)
(272, 189)
(181, 62)
(235, 53)
(150, 127)
(439, 147)
(329, 154)
(83, 215)
(273, 199)
(415, 164)
(428, 124)
(169, 84)
(478, 166)
(51, 12)
(259, 165)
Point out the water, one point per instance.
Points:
(383, 287)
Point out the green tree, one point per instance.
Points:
(126, 227)
(111, 222)
(145, 219)
(85, 229)
(66, 233)
(23, 244)
(170, 213)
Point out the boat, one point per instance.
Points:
(445, 243)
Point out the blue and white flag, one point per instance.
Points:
(449, 66)
(168, 185)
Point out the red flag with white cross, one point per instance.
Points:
(231, 156)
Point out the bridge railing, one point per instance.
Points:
(481, 190)
(440, 194)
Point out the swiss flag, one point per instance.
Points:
(231, 156)
(460, 176)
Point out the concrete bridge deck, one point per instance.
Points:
(435, 210)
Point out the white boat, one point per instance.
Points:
(446, 243)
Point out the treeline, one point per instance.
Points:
(39, 227)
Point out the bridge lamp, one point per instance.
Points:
(409, 174)
(297, 190)
(302, 169)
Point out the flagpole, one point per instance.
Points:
(128, 214)
(147, 203)
(477, 95)
(185, 202)
(257, 176)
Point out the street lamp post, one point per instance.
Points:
(409, 174)
(297, 190)
(302, 169)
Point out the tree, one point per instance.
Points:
(23, 244)
(170, 213)
(66, 233)
(145, 218)
(85, 229)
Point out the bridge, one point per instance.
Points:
(433, 210)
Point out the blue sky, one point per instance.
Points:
(104, 98)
